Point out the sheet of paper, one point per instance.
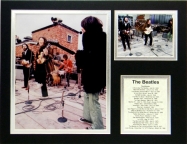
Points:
(145, 105)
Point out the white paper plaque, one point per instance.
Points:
(145, 104)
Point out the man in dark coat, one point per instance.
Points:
(93, 65)
(27, 58)
(170, 30)
(124, 29)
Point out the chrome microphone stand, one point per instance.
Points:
(62, 119)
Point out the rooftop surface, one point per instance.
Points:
(160, 47)
(45, 113)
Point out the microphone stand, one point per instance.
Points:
(66, 84)
(79, 82)
(29, 101)
(62, 119)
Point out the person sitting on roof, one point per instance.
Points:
(67, 66)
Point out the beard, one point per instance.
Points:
(24, 49)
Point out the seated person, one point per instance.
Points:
(67, 66)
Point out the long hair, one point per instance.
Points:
(91, 23)
(124, 19)
(26, 45)
(169, 24)
(146, 23)
(45, 41)
(65, 56)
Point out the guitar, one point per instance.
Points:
(148, 30)
(41, 59)
(125, 32)
(24, 63)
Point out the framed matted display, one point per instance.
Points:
(57, 107)
(22, 128)
(145, 104)
(146, 35)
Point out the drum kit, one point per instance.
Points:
(55, 78)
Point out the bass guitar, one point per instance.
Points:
(41, 59)
(24, 63)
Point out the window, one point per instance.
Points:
(69, 39)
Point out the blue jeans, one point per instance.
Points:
(92, 110)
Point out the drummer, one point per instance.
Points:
(67, 66)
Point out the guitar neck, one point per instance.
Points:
(48, 46)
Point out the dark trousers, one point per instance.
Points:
(142, 35)
(67, 77)
(150, 37)
(40, 77)
(125, 38)
(26, 74)
(43, 81)
(44, 89)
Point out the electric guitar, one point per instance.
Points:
(148, 30)
(125, 32)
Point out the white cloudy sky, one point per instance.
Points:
(29, 21)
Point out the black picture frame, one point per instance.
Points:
(177, 70)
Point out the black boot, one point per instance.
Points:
(124, 48)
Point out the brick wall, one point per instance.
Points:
(60, 34)
(19, 49)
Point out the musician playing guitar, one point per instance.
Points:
(124, 29)
(26, 61)
(44, 64)
(67, 66)
(148, 31)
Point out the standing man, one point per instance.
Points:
(44, 64)
(93, 70)
(124, 33)
(27, 58)
(170, 30)
(148, 32)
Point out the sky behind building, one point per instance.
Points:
(25, 23)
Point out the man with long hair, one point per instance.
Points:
(44, 64)
(148, 32)
(170, 27)
(93, 70)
